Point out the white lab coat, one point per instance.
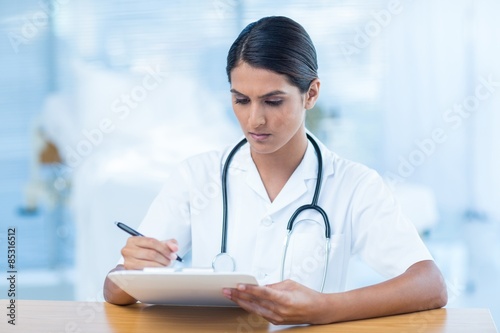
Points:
(365, 219)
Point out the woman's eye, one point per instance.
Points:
(241, 101)
(274, 103)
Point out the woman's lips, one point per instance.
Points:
(259, 137)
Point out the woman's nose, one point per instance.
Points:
(257, 117)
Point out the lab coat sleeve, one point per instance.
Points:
(381, 234)
(169, 216)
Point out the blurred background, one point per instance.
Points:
(98, 99)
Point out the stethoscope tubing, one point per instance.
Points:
(224, 194)
(313, 205)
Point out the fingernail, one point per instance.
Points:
(241, 287)
(172, 256)
(227, 293)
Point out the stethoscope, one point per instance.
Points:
(223, 262)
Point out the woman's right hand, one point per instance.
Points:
(140, 252)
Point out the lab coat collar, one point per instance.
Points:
(295, 187)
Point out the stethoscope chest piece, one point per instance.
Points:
(223, 262)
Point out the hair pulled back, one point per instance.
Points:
(278, 44)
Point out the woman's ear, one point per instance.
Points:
(312, 94)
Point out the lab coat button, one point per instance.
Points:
(267, 221)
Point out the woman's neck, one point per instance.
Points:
(276, 168)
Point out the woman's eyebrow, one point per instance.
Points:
(273, 93)
(234, 91)
(269, 94)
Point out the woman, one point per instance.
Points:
(272, 70)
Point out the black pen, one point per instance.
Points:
(133, 232)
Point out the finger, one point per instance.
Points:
(263, 307)
(262, 311)
(262, 299)
(154, 244)
(150, 255)
(172, 241)
(145, 256)
(260, 292)
(147, 249)
(173, 246)
(148, 242)
(282, 285)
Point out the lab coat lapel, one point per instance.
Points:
(242, 162)
(296, 186)
(255, 182)
(304, 178)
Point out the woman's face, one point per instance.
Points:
(270, 110)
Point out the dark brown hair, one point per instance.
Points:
(278, 44)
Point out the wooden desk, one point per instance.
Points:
(72, 317)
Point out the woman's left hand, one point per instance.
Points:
(286, 302)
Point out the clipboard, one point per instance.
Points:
(187, 287)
